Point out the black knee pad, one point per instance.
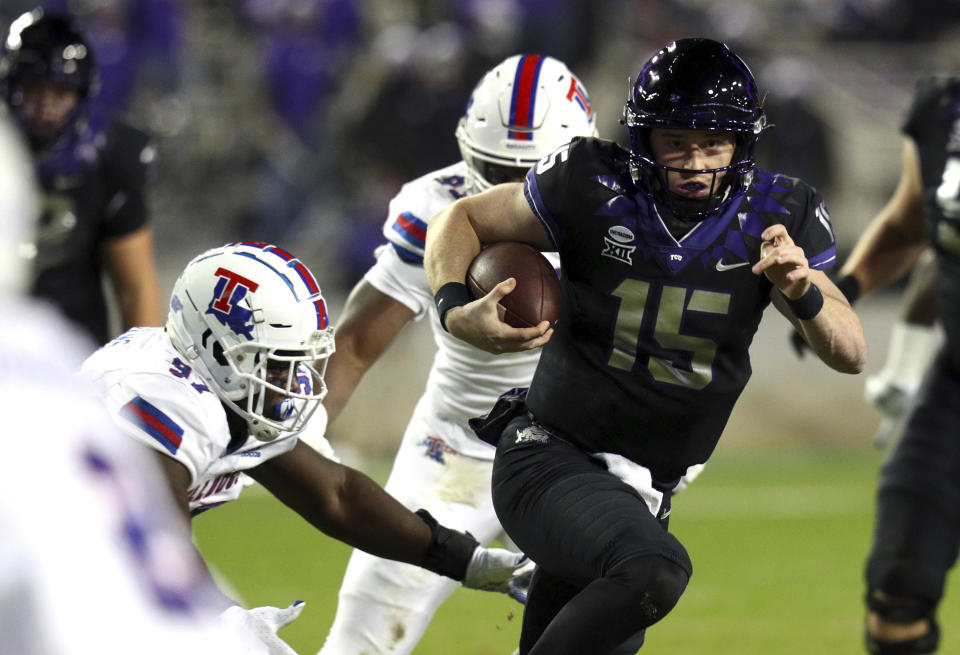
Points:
(904, 611)
(923, 645)
(659, 583)
(899, 609)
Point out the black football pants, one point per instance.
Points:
(917, 529)
(607, 568)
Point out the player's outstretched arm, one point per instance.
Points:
(813, 303)
(890, 245)
(895, 238)
(369, 323)
(347, 505)
(455, 237)
(344, 504)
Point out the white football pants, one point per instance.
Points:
(384, 606)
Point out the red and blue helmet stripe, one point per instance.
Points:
(309, 281)
(323, 319)
(524, 98)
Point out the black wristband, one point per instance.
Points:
(449, 551)
(450, 295)
(850, 288)
(808, 305)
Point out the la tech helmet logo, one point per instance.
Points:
(576, 93)
(225, 306)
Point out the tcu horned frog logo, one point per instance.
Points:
(225, 306)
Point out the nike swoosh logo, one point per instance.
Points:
(726, 267)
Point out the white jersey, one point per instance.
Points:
(464, 381)
(94, 558)
(156, 397)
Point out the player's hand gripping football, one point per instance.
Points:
(480, 323)
(783, 262)
(497, 569)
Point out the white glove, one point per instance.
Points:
(496, 569)
(258, 627)
(693, 471)
(892, 389)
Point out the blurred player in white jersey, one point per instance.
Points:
(522, 110)
(232, 387)
(93, 555)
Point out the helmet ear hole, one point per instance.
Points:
(218, 354)
(216, 349)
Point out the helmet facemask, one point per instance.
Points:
(725, 180)
(694, 84)
(283, 388)
(484, 173)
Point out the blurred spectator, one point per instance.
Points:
(427, 74)
(890, 20)
(306, 46)
(406, 98)
(95, 217)
(798, 142)
(137, 43)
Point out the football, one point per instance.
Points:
(537, 296)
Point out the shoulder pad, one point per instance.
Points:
(128, 153)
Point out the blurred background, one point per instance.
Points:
(295, 121)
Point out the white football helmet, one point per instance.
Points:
(522, 110)
(251, 319)
(19, 209)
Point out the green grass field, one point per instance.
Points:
(778, 541)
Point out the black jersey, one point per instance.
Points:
(933, 122)
(650, 352)
(94, 194)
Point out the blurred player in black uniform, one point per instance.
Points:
(95, 214)
(917, 530)
(670, 253)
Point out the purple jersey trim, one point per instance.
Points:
(532, 193)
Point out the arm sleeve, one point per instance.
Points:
(926, 94)
(127, 162)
